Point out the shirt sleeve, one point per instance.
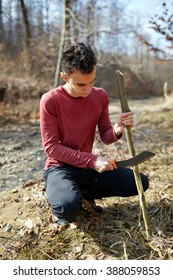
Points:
(105, 127)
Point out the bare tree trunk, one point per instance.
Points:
(40, 19)
(67, 21)
(90, 18)
(1, 24)
(165, 91)
(58, 65)
(26, 23)
(47, 16)
(9, 38)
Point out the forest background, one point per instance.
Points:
(33, 33)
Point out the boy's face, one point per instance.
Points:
(79, 84)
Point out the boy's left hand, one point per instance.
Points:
(124, 119)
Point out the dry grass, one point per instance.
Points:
(119, 232)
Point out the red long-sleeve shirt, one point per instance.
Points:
(68, 126)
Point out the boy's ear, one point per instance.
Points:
(64, 76)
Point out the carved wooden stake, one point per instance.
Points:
(128, 134)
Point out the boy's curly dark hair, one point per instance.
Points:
(78, 57)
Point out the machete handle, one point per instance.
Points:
(113, 162)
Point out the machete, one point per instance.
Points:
(140, 158)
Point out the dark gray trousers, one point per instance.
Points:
(65, 187)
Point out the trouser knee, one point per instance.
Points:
(68, 208)
(145, 182)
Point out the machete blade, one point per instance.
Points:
(140, 158)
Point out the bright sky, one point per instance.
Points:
(149, 7)
(144, 10)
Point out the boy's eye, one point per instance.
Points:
(80, 85)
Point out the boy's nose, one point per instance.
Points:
(87, 88)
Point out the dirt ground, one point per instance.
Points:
(26, 227)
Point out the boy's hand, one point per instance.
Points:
(102, 164)
(124, 119)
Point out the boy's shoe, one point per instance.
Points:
(62, 224)
(92, 207)
(98, 208)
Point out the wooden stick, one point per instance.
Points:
(125, 108)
